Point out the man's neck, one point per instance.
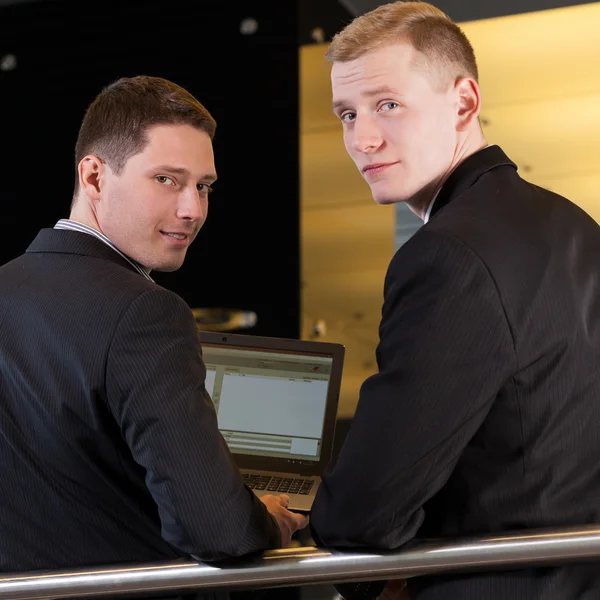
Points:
(422, 203)
(82, 217)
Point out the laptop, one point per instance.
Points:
(276, 401)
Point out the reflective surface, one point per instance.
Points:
(309, 565)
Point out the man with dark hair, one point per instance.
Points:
(483, 415)
(109, 445)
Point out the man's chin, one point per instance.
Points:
(168, 268)
(385, 195)
(384, 200)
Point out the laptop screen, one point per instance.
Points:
(269, 402)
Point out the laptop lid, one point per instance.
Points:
(276, 399)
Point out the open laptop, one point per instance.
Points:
(276, 402)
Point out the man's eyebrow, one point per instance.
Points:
(212, 177)
(378, 91)
(337, 104)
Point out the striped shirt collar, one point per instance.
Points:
(76, 226)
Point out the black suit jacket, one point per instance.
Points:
(485, 412)
(109, 447)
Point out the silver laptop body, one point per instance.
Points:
(276, 401)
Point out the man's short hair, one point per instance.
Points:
(443, 46)
(115, 125)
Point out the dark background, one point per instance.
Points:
(247, 255)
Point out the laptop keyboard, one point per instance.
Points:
(282, 485)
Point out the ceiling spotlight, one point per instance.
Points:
(318, 35)
(8, 62)
(248, 26)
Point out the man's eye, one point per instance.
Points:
(164, 180)
(204, 189)
(348, 117)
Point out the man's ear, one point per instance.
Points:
(469, 102)
(91, 170)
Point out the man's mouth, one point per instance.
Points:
(375, 168)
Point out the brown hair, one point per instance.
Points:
(430, 31)
(115, 124)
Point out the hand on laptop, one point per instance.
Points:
(289, 522)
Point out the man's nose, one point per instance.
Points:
(366, 134)
(193, 206)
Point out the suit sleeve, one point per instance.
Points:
(155, 388)
(444, 353)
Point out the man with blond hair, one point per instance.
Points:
(483, 415)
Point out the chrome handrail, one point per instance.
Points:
(310, 565)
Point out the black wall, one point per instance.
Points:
(247, 255)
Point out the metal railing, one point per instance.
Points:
(310, 565)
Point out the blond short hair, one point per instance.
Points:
(441, 43)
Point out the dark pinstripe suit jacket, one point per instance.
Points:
(109, 447)
(485, 413)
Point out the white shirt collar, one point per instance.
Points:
(428, 213)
